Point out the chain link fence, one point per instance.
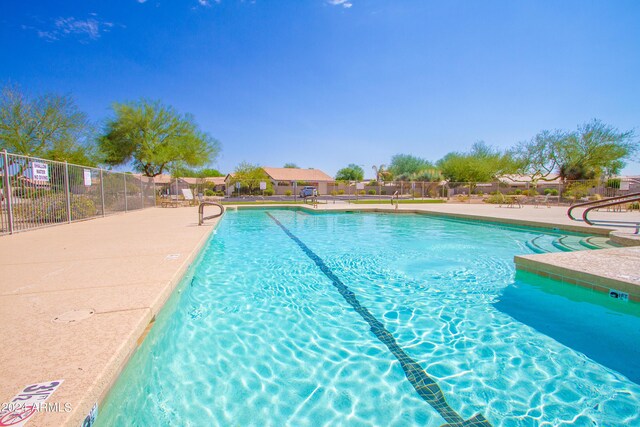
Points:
(37, 193)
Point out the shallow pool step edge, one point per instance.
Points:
(542, 265)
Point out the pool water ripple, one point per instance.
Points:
(261, 337)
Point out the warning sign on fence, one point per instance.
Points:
(87, 177)
(40, 171)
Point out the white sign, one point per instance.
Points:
(87, 177)
(263, 185)
(27, 403)
(359, 185)
(624, 185)
(238, 185)
(40, 172)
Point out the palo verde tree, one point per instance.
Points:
(50, 126)
(593, 150)
(406, 167)
(483, 163)
(402, 166)
(352, 172)
(155, 137)
(182, 171)
(249, 176)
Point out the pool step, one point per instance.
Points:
(568, 243)
(543, 244)
(598, 242)
(535, 246)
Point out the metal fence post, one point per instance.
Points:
(141, 192)
(102, 191)
(153, 185)
(66, 183)
(7, 190)
(124, 175)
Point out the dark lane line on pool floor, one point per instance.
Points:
(426, 387)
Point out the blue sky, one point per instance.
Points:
(323, 83)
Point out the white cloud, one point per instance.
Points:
(83, 29)
(88, 27)
(344, 3)
(141, 1)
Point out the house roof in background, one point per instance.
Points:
(291, 174)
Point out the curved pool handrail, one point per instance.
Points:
(630, 224)
(601, 203)
(202, 218)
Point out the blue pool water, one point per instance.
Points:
(297, 319)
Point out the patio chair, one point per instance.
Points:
(188, 197)
(541, 200)
(510, 201)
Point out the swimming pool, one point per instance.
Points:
(291, 318)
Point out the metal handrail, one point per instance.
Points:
(599, 203)
(202, 218)
(397, 196)
(629, 224)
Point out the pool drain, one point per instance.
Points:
(74, 316)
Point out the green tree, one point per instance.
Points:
(249, 176)
(405, 167)
(352, 172)
(593, 150)
(382, 174)
(483, 163)
(155, 137)
(291, 166)
(180, 172)
(50, 126)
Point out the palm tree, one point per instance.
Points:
(379, 170)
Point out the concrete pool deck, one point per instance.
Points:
(124, 267)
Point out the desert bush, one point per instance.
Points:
(495, 198)
(55, 210)
(613, 183)
(269, 192)
(208, 192)
(362, 192)
(371, 192)
(576, 191)
(550, 192)
(288, 193)
(340, 192)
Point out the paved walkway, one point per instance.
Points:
(123, 268)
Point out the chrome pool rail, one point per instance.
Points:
(202, 218)
(37, 193)
(606, 203)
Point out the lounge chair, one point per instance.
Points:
(188, 197)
